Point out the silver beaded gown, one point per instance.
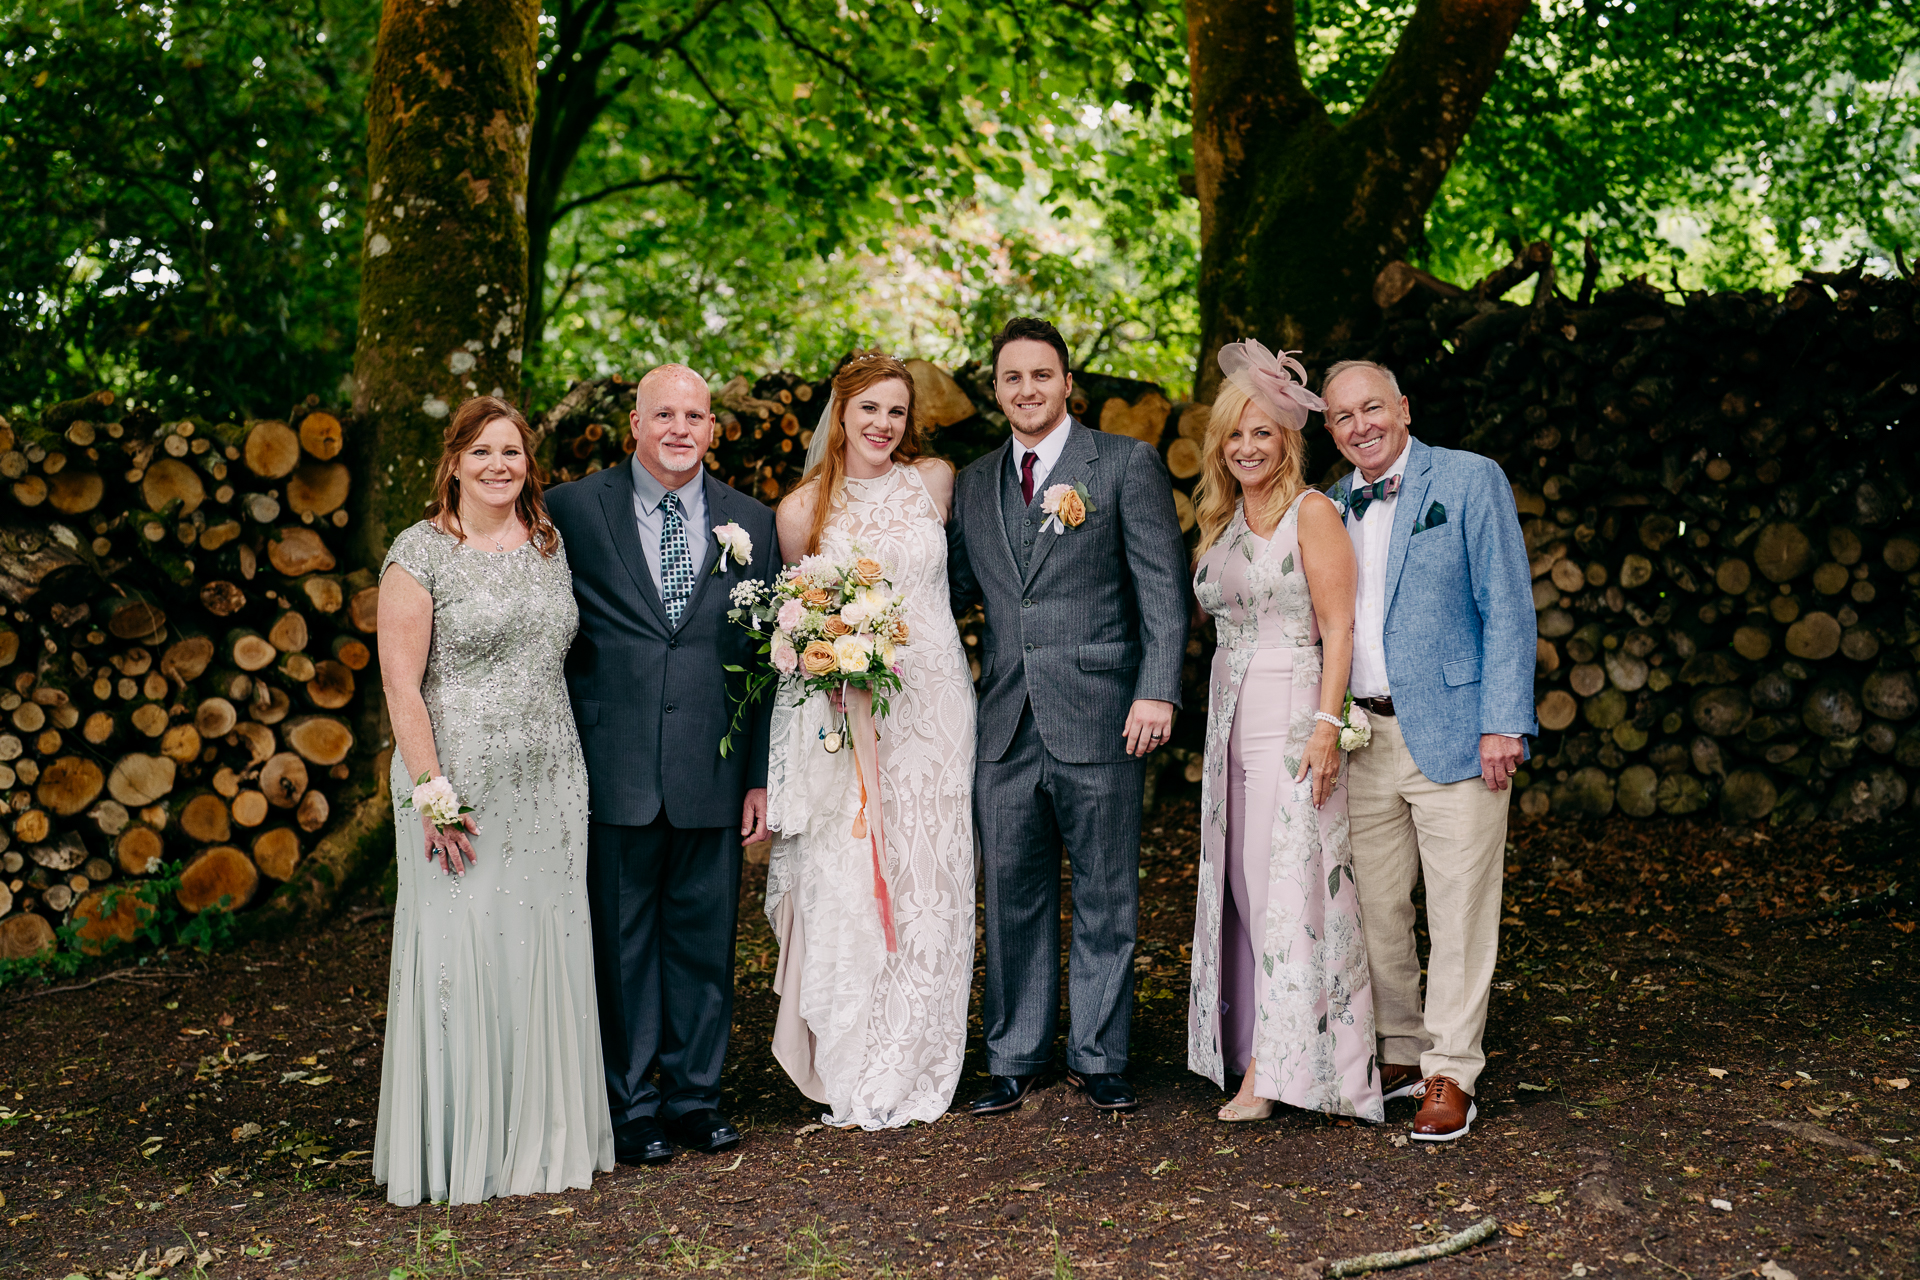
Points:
(492, 1083)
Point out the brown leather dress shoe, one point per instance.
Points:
(1397, 1080)
(1446, 1110)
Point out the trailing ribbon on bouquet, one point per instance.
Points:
(864, 738)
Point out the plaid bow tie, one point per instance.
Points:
(1359, 499)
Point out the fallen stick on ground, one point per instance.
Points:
(1366, 1262)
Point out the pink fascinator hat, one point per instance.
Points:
(1277, 383)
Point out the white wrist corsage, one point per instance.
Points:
(1355, 731)
(436, 800)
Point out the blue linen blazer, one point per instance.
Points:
(1460, 629)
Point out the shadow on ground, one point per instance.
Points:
(1678, 1087)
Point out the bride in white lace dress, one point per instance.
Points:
(876, 1036)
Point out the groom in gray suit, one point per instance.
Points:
(1069, 536)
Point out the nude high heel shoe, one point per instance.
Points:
(1233, 1113)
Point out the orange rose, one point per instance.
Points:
(819, 659)
(817, 598)
(835, 627)
(900, 631)
(1072, 512)
(867, 571)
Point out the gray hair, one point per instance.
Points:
(1326, 381)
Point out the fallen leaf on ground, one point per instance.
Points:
(554, 1213)
(1724, 1206)
(806, 1129)
(1517, 1229)
(248, 1130)
(1030, 1186)
(1718, 1073)
(1535, 1088)
(1899, 1082)
(1543, 1197)
(1771, 1270)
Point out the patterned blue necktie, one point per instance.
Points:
(1358, 500)
(676, 565)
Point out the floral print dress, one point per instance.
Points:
(1279, 965)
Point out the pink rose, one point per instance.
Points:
(791, 615)
(785, 660)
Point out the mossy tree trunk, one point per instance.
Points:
(443, 286)
(1298, 211)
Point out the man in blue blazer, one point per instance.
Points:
(1443, 659)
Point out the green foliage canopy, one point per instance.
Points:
(181, 198)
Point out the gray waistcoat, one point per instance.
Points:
(1022, 519)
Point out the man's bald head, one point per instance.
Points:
(672, 423)
(668, 375)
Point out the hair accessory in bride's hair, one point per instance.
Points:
(1277, 383)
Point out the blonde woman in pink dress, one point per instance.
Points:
(1281, 994)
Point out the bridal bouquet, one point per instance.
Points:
(834, 622)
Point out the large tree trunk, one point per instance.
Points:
(443, 286)
(1298, 214)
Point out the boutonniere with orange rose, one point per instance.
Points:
(1067, 507)
(831, 624)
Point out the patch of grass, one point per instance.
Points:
(1062, 1263)
(811, 1254)
(693, 1254)
(433, 1255)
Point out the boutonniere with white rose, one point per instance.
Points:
(1066, 506)
(734, 541)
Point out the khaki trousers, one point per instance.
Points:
(1454, 835)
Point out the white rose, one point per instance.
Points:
(855, 654)
(735, 542)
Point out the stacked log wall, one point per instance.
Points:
(1717, 494)
(185, 663)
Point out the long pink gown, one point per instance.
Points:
(1279, 964)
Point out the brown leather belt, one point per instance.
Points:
(1375, 706)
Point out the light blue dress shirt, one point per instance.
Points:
(648, 493)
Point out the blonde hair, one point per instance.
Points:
(1218, 491)
(861, 370)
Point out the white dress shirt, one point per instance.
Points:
(1046, 453)
(648, 494)
(1372, 536)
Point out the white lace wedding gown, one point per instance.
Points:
(876, 1037)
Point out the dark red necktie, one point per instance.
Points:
(1026, 477)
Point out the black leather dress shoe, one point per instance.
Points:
(1107, 1090)
(1003, 1093)
(704, 1130)
(641, 1141)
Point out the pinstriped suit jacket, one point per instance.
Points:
(1096, 618)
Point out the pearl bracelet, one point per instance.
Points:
(1330, 718)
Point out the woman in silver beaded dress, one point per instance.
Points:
(492, 1082)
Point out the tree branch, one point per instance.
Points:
(733, 117)
(636, 184)
(660, 44)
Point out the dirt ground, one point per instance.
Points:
(1678, 1087)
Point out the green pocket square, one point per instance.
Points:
(1436, 515)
